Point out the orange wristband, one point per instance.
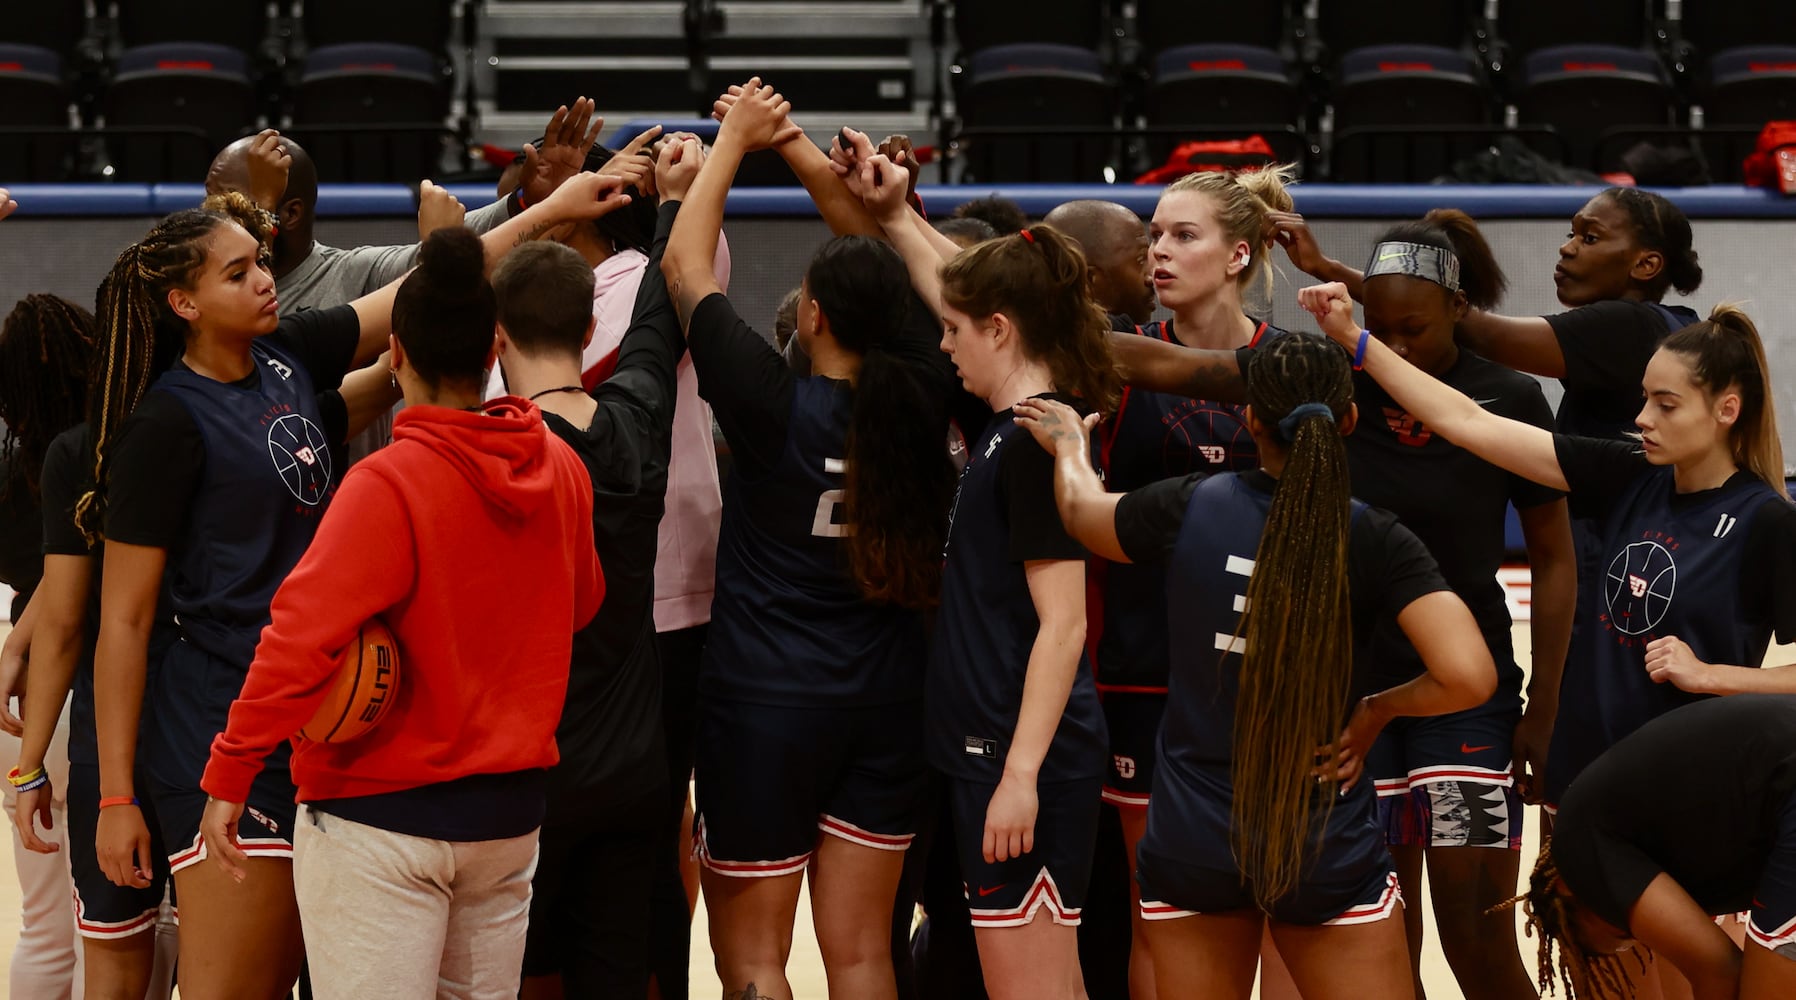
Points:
(118, 800)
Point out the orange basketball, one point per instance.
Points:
(367, 679)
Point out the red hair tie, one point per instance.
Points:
(1026, 234)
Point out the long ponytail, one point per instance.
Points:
(1725, 350)
(898, 477)
(139, 335)
(1296, 671)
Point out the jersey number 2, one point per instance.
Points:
(824, 524)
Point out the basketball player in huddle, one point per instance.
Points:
(219, 476)
(427, 826)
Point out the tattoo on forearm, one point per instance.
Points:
(533, 233)
(1216, 380)
(747, 994)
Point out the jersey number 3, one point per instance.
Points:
(824, 524)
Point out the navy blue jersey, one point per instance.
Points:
(267, 480)
(1003, 516)
(1153, 436)
(1203, 533)
(788, 625)
(1454, 501)
(1668, 564)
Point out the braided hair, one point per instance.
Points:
(1549, 917)
(46, 344)
(1296, 671)
(139, 335)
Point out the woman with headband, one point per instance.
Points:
(1275, 579)
(1446, 789)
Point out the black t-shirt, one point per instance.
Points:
(151, 481)
(610, 735)
(1606, 347)
(1600, 472)
(1004, 516)
(1454, 501)
(1694, 794)
(21, 537)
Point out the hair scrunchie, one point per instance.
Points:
(1287, 425)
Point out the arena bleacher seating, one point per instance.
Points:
(1077, 90)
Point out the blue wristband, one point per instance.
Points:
(38, 782)
(1359, 356)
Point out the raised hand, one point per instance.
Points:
(634, 163)
(880, 185)
(727, 100)
(268, 163)
(678, 165)
(899, 150)
(759, 119)
(437, 209)
(1291, 232)
(570, 135)
(1333, 309)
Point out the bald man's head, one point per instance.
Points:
(230, 172)
(1114, 241)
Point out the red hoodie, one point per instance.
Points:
(471, 537)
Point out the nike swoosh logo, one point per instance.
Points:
(1392, 256)
(1468, 748)
(983, 892)
(1487, 402)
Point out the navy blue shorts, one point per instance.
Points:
(1186, 866)
(103, 910)
(1055, 874)
(771, 779)
(1448, 780)
(1134, 721)
(265, 831)
(1772, 922)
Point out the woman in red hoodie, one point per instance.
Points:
(421, 834)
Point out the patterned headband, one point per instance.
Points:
(1416, 260)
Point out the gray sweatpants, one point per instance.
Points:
(395, 916)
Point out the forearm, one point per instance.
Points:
(121, 662)
(1053, 663)
(1727, 679)
(55, 649)
(920, 256)
(691, 250)
(528, 225)
(1554, 587)
(945, 248)
(1152, 364)
(1086, 509)
(367, 393)
(844, 212)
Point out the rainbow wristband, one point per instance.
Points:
(1359, 356)
(40, 781)
(21, 780)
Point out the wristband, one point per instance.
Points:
(118, 800)
(21, 780)
(517, 200)
(40, 781)
(1359, 356)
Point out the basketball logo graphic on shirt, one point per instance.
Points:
(1214, 434)
(1638, 590)
(301, 457)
